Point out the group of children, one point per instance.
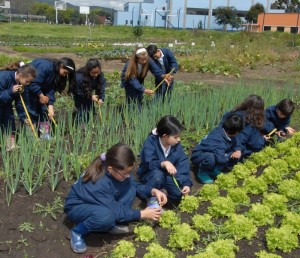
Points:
(36, 83)
(101, 200)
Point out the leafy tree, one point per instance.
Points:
(290, 6)
(253, 12)
(137, 31)
(225, 15)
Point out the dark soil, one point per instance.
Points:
(50, 238)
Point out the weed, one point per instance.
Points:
(50, 209)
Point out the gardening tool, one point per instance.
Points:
(163, 79)
(272, 132)
(27, 114)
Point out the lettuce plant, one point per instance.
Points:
(168, 219)
(271, 175)
(250, 165)
(209, 192)
(183, 237)
(156, 250)
(239, 227)
(264, 254)
(124, 249)
(281, 166)
(221, 207)
(239, 195)
(290, 189)
(241, 171)
(189, 203)
(276, 202)
(297, 176)
(144, 233)
(226, 181)
(260, 214)
(255, 185)
(281, 238)
(293, 220)
(203, 223)
(293, 161)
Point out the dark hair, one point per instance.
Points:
(26, 70)
(86, 83)
(119, 156)
(233, 124)
(152, 49)
(61, 82)
(253, 109)
(286, 107)
(168, 125)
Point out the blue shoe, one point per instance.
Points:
(77, 243)
(204, 177)
(216, 172)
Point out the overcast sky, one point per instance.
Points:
(117, 4)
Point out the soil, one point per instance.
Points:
(50, 237)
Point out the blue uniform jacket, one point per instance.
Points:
(98, 84)
(7, 81)
(44, 81)
(216, 142)
(249, 140)
(134, 86)
(152, 155)
(107, 191)
(272, 120)
(169, 60)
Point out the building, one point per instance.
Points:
(178, 13)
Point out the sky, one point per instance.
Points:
(117, 4)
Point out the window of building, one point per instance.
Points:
(294, 30)
(267, 28)
(131, 22)
(280, 29)
(126, 22)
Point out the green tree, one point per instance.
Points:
(253, 12)
(290, 6)
(137, 31)
(225, 15)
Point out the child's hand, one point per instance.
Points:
(149, 213)
(17, 88)
(43, 99)
(290, 130)
(95, 98)
(161, 197)
(169, 167)
(149, 92)
(236, 155)
(266, 137)
(186, 190)
(51, 111)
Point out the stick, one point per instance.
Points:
(53, 120)
(163, 79)
(28, 117)
(270, 133)
(100, 113)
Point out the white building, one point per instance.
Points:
(178, 13)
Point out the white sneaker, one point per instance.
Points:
(119, 229)
(10, 143)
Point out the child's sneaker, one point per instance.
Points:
(77, 243)
(216, 172)
(119, 229)
(204, 177)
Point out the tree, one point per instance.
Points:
(137, 31)
(225, 15)
(290, 6)
(253, 12)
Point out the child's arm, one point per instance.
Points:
(290, 130)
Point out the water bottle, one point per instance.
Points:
(153, 203)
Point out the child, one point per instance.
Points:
(134, 73)
(166, 60)
(102, 197)
(12, 81)
(163, 161)
(90, 87)
(250, 140)
(39, 96)
(217, 149)
(279, 117)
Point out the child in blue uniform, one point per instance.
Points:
(250, 139)
(39, 96)
(12, 80)
(167, 62)
(89, 88)
(279, 117)
(102, 197)
(218, 148)
(163, 161)
(134, 73)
